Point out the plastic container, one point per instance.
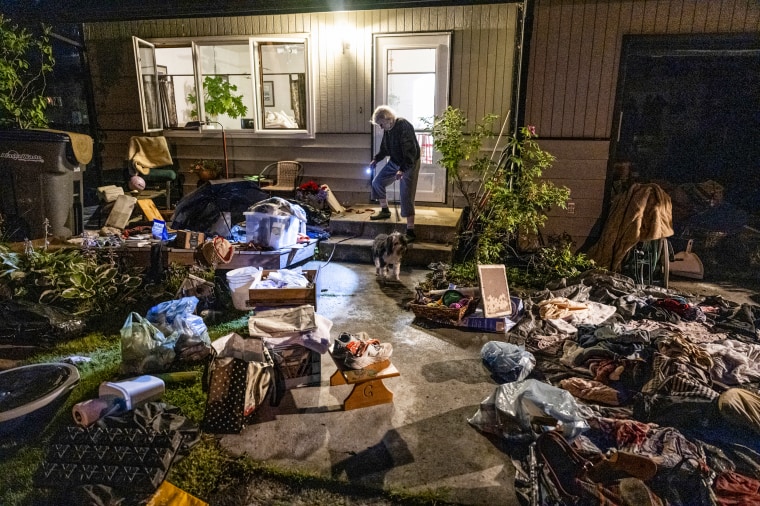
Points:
(274, 231)
(30, 394)
(134, 391)
(240, 281)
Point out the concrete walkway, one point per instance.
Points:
(422, 441)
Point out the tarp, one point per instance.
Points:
(201, 209)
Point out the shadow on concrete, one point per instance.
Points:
(466, 371)
(448, 462)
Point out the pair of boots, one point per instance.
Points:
(385, 214)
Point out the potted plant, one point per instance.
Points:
(219, 97)
(206, 169)
(313, 194)
(25, 61)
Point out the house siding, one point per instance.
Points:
(572, 80)
(482, 61)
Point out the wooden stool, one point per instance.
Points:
(368, 388)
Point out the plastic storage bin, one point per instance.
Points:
(274, 231)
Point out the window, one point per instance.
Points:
(259, 85)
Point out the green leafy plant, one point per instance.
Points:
(72, 279)
(25, 61)
(219, 97)
(516, 199)
(461, 150)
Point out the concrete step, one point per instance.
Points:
(359, 250)
(433, 232)
(353, 232)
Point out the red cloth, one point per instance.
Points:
(733, 489)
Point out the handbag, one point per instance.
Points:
(238, 379)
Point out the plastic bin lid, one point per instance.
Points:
(34, 136)
(26, 389)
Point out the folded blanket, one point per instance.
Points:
(147, 153)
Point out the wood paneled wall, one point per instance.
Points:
(576, 46)
(572, 79)
(481, 80)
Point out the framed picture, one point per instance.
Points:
(494, 291)
(161, 70)
(268, 92)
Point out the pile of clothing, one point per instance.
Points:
(663, 376)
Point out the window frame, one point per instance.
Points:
(253, 43)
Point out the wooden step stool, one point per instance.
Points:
(368, 388)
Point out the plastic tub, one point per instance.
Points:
(33, 390)
(270, 230)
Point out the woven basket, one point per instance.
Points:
(443, 314)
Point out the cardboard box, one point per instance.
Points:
(275, 297)
(299, 365)
(188, 239)
(497, 324)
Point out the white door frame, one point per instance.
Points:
(432, 180)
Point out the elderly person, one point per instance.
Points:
(400, 145)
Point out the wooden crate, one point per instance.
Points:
(276, 297)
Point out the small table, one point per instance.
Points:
(368, 388)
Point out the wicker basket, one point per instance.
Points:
(443, 314)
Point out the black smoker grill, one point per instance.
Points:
(40, 177)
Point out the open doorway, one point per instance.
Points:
(412, 76)
(688, 116)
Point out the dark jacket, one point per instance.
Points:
(400, 143)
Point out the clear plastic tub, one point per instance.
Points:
(277, 232)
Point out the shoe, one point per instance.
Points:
(384, 214)
(410, 236)
(373, 352)
(348, 344)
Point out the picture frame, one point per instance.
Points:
(161, 70)
(494, 290)
(267, 91)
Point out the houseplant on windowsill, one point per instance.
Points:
(206, 169)
(219, 97)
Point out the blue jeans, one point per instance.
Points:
(408, 186)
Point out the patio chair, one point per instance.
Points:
(149, 158)
(285, 177)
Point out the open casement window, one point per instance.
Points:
(147, 83)
(284, 102)
(259, 85)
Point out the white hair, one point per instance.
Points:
(383, 112)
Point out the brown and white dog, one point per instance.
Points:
(387, 252)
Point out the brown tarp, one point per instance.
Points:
(643, 213)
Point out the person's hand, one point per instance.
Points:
(399, 175)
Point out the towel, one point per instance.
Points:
(147, 153)
(81, 144)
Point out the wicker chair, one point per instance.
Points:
(286, 176)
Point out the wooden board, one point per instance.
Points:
(149, 210)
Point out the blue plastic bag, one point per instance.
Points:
(507, 362)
